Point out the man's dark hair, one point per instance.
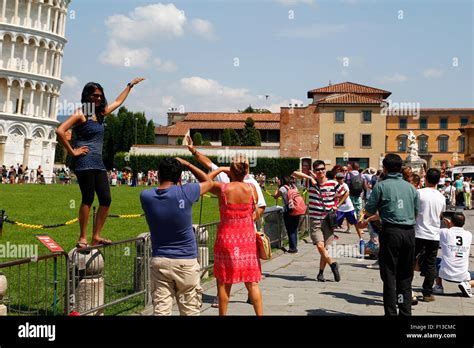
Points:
(330, 175)
(458, 219)
(393, 163)
(433, 175)
(170, 169)
(355, 166)
(318, 163)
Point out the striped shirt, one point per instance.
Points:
(322, 198)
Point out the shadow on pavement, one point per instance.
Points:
(354, 299)
(289, 277)
(326, 312)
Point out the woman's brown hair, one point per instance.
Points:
(240, 166)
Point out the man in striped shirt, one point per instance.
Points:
(324, 195)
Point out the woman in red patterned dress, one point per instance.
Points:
(235, 249)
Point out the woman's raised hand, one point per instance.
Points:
(137, 80)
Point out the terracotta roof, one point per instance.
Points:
(178, 130)
(447, 110)
(234, 125)
(162, 130)
(348, 98)
(348, 87)
(231, 116)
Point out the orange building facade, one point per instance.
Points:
(440, 142)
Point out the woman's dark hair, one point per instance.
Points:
(285, 180)
(170, 169)
(393, 163)
(88, 106)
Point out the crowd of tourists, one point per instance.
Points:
(405, 214)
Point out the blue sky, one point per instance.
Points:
(225, 55)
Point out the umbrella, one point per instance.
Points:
(128, 168)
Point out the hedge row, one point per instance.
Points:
(270, 166)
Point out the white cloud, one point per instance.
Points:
(295, 2)
(165, 66)
(314, 31)
(275, 107)
(70, 81)
(395, 78)
(204, 28)
(120, 55)
(147, 23)
(432, 73)
(199, 86)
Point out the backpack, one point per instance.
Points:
(356, 185)
(296, 203)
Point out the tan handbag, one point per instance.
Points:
(264, 249)
(263, 246)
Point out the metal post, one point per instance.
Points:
(55, 295)
(200, 210)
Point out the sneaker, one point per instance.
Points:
(465, 288)
(320, 277)
(374, 265)
(438, 290)
(293, 251)
(335, 271)
(430, 298)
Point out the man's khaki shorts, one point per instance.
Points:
(320, 232)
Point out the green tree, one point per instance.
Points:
(226, 137)
(60, 154)
(251, 135)
(179, 141)
(150, 132)
(234, 138)
(251, 110)
(197, 139)
(230, 137)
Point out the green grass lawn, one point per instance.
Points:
(54, 204)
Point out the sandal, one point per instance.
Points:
(103, 241)
(82, 245)
(215, 304)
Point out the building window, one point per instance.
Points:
(402, 123)
(339, 116)
(366, 140)
(423, 123)
(17, 111)
(443, 123)
(443, 143)
(461, 140)
(367, 116)
(464, 122)
(338, 140)
(402, 143)
(423, 144)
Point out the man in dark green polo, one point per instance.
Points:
(397, 202)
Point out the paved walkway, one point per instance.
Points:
(289, 287)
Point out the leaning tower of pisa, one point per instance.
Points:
(31, 52)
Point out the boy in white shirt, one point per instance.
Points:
(454, 264)
(427, 230)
